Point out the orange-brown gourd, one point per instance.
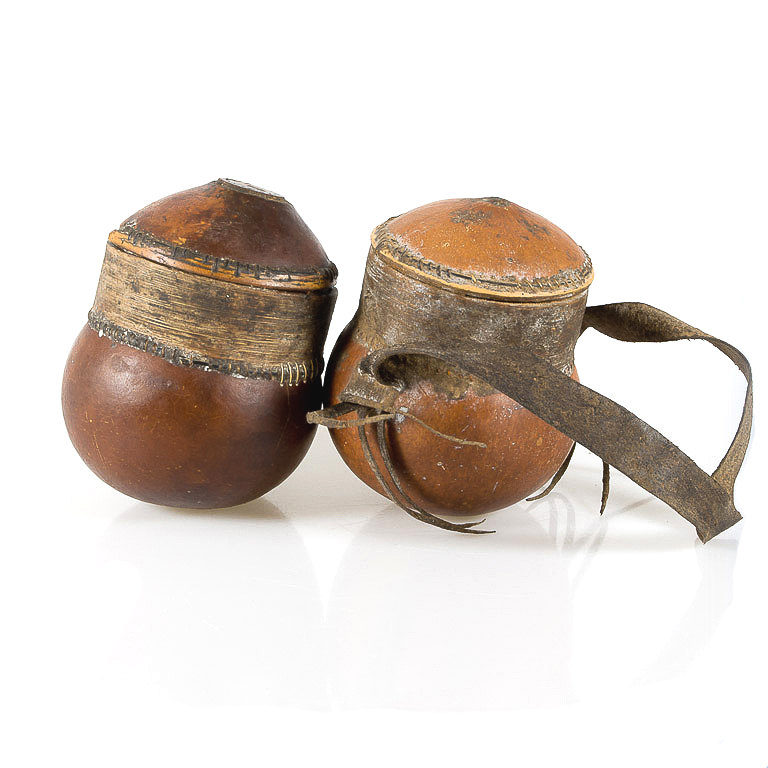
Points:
(190, 384)
(519, 278)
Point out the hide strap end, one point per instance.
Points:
(387, 478)
(616, 435)
(716, 527)
(332, 417)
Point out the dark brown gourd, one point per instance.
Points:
(190, 384)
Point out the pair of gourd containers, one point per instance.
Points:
(197, 381)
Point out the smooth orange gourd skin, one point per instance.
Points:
(522, 451)
(503, 258)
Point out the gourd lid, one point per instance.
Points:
(485, 246)
(233, 231)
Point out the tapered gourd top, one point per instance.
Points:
(230, 229)
(485, 246)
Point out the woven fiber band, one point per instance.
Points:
(218, 325)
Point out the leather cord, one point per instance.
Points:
(609, 430)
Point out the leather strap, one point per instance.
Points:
(606, 428)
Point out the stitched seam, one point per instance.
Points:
(288, 373)
(569, 279)
(225, 266)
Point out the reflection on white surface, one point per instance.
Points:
(228, 611)
(418, 620)
(423, 621)
(233, 607)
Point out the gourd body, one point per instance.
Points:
(521, 451)
(213, 414)
(490, 294)
(178, 436)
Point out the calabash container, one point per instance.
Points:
(453, 390)
(498, 273)
(189, 385)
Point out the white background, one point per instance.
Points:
(319, 625)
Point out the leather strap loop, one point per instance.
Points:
(603, 426)
(632, 321)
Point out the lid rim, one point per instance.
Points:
(147, 245)
(560, 285)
